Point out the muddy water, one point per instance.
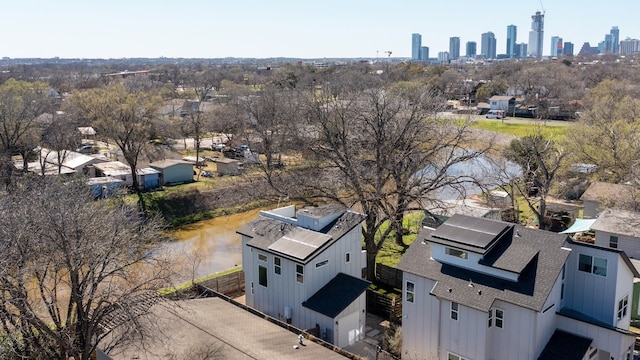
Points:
(208, 246)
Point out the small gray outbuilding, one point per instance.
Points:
(226, 166)
(173, 171)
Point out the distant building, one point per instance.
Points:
(488, 45)
(512, 32)
(629, 46)
(471, 49)
(443, 57)
(536, 35)
(454, 48)
(556, 46)
(587, 50)
(567, 48)
(424, 53)
(521, 50)
(615, 40)
(416, 44)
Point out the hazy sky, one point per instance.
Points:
(286, 28)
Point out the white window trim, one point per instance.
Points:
(266, 258)
(407, 292)
(593, 267)
(322, 263)
(623, 307)
(455, 311)
(266, 274)
(277, 266)
(301, 274)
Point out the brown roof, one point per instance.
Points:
(606, 192)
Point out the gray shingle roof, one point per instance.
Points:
(265, 231)
(336, 295)
(618, 222)
(566, 346)
(539, 264)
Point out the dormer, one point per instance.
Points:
(312, 218)
(486, 246)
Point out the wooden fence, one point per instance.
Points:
(389, 276)
(387, 306)
(226, 284)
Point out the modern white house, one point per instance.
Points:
(618, 229)
(304, 267)
(479, 289)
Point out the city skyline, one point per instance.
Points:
(256, 29)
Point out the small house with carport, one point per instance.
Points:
(304, 267)
(477, 288)
(173, 171)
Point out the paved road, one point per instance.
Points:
(508, 120)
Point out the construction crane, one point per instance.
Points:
(542, 7)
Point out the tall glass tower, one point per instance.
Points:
(454, 48)
(512, 32)
(416, 43)
(488, 45)
(536, 35)
(615, 40)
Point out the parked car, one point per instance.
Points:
(495, 114)
(88, 149)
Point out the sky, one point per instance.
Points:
(113, 29)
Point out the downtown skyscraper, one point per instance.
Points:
(488, 45)
(416, 44)
(454, 48)
(512, 34)
(536, 35)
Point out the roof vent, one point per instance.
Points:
(518, 233)
(282, 227)
(479, 292)
(449, 289)
(471, 283)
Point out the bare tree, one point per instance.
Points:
(73, 270)
(385, 151)
(21, 103)
(540, 160)
(126, 115)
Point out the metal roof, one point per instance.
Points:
(564, 345)
(300, 243)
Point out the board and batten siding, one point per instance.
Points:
(611, 341)
(629, 244)
(516, 338)
(467, 336)
(420, 334)
(284, 291)
(581, 287)
(545, 322)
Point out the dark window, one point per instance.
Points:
(277, 265)
(454, 311)
(613, 242)
(300, 273)
(262, 275)
(347, 257)
(410, 291)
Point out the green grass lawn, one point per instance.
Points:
(522, 130)
(391, 253)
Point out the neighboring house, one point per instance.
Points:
(504, 103)
(305, 267)
(173, 171)
(72, 162)
(226, 166)
(600, 195)
(485, 289)
(467, 206)
(115, 170)
(148, 178)
(618, 229)
(101, 187)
